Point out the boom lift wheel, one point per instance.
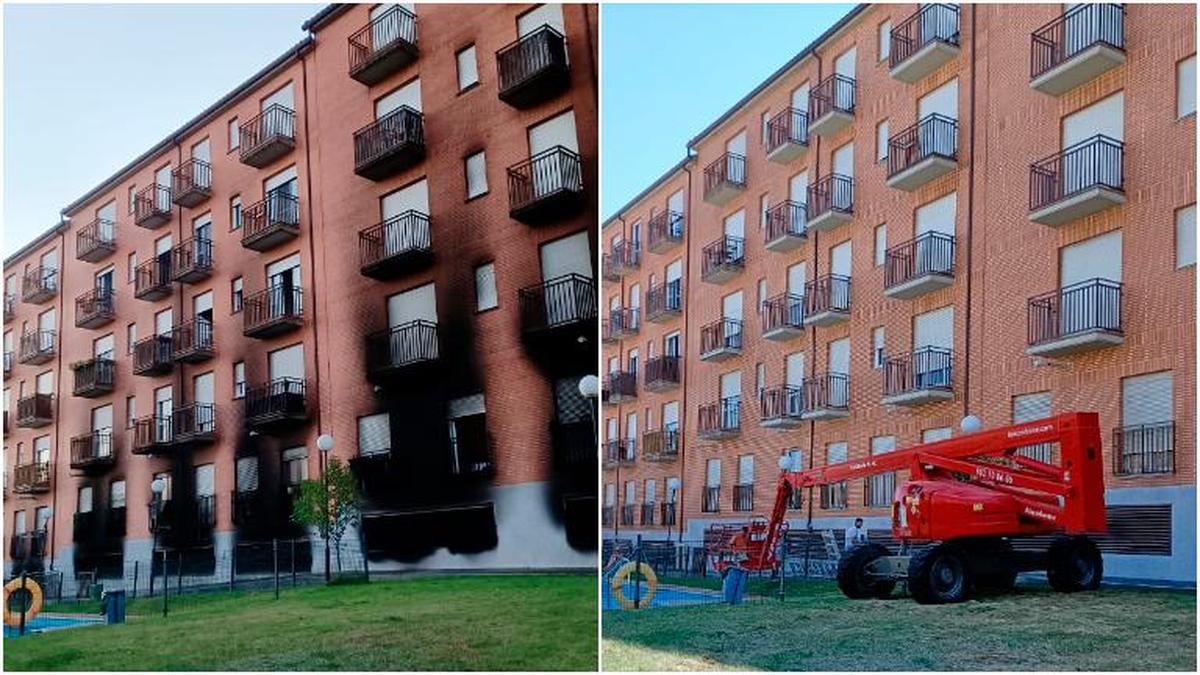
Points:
(1074, 564)
(855, 580)
(939, 574)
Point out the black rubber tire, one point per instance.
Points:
(1074, 564)
(851, 575)
(939, 574)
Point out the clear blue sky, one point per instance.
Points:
(668, 71)
(87, 88)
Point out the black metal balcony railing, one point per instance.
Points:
(39, 284)
(1144, 449)
(152, 355)
(835, 496)
(829, 293)
(935, 135)
(1079, 28)
(152, 206)
(152, 279)
(8, 363)
(878, 490)
(725, 255)
(35, 410)
(192, 260)
(96, 240)
(606, 516)
(191, 182)
(664, 229)
(401, 346)
(783, 311)
(37, 347)
(660, 445)
(786, 219)
(1092, 305)
(834, 192)
(10, 307)
(724, 415)
(546, 185)
(662, 371)
(627, 513)
(533, 68)
(194, 422)
(272, 311)
(391, 143)
(267, 136)
(95, 308)
(621, 385)
(789, 126)
(743, 497)
(33, 477)
(712, 499)
(271, 221)
(728, 170)
(625, 256)
(929, 253)
(385, 249)
(927, 368)
(613, 451)
(668, 514)
(835, 93)
(648, 514)
(92, 449)
(782, 402)
(625, 322)
(1098, 162)
(152, 434)
(281, 399)
(931, 22)
(721, 334)
(386, 43)
(192, 341)
(664, 299)
(561, 301)
(94, 377)
(28, 545)
(829, 391)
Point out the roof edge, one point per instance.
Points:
(36, 243)
(324, 16)
(658, 182)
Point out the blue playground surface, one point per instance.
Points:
(48, 622)
(665, 596)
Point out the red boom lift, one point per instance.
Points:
(966, 498)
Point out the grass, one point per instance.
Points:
(523, 622)
(816, 628)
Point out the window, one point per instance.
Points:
(295, 465)
(374, 434)
(885, 40)
(133, 263)
(132, 195)
(880, 244)
(165, 477)
(1185, 87)
(476, 175)
(938, 434)
(1185, 236)
(239, 379)
(116, 495)
(246, 479)
(84, 504)
(877, 343)
(765, 123)
(130, 411)
(130, 336)
(760, 379)
(881, 141)
(485, 287)
(235, 213)
(236, 294)
(764, 205)
(761, 293)
(235, 135)
(468, 68)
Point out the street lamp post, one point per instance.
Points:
(589, 388)
(324, 445)
(158, 486)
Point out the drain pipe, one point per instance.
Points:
(58, 388)
(812, 334)
(312, 250)
(687, 247)
(970, 222)
(620, 497)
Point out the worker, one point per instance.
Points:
(856, 534)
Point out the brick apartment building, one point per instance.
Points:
(931, 211)
(383, 236)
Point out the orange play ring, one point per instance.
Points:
(12, 618)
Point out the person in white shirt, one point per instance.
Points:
(856, 534)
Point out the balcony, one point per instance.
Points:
(622, 324)
(711, 501)
(724, 179)
(662, 373)
(31, 478)
(924, 41)
(721, 340)
(1082, 44)
(95, 308)
(395, 247)
(721, 420)
(1144, 449)
(273, 311)
(192, 260)
(787, 136)
(546, 187)
(8, 363)
(661, 445)
(152, 279)
(93, 451)
(271, 222)
(563, 305)
(35, 411)
(781, 407)
(390, 144)
(383, 46)
(783, 317)
(922, 152)
(191, 183)
(664, 301)
(404, 350)
(784, 229)
(37, 347)
(668, 514)
(664, 231)
(94, 377)
(152, 435)
(534, 68)
(10, 307)
(830, 202)
(96, 241)
(827, 300)
(152, 206)
(267, 136)
(152, 356)
(628, 511)
(723, 259)
(278, 404)
(192, 341)
(38, 285)
(831, 105)
(1076, 318)
(624, 258)
(28, 546)
(647, 514)
(1086, 178)
(743, 497)
(919, 266)
(923, 376)
(194, 423)
(826, 397)
(607, 517)
(620, 387)
(613, 449)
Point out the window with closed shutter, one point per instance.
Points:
(116, 494)
(374, 434)
(247, 474)
(85, 499)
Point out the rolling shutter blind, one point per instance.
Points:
(374, 434)
(1147, 399)
(247, 474)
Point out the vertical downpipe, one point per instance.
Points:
(970, 221)
(60, 316)
(686, 334)
(812, 334)
(312, 252)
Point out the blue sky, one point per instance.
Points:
(87, 88)
(668, 71)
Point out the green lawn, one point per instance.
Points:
(493, 622)
(816, 628)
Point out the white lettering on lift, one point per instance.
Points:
(1031, 430)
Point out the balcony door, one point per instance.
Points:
(843, 96)
(162, 193)
(542, 15)
(408, 95)
(45, 382)
(107, 214)
(47, 321)
(934, 137)
(794, 379)
(731, 397)
(104, 285)
(408, 342)
(550, 173)
(163, 408)
(281, 192)
(283, 278)
(403, 230)
(800, 100)
(933, 330)
(797, 275)
(1083, 306)
(837, 395)
(798, 189)
(162, 257)
(712, 474)
(1096, 164)
(102, 348)
(670, 416)
(938, 22)
(936, 216)
(284, 96)
(635, 305)
(610, 430)
(49, 264)
(843, 165)
(735, 171)
(203, 395)
(610, 494)
(201, 152)
(675, 205)
(102, 425)
(631, 434)
(731, 311)
(396, 26)
(202, 313)
(561, 258)
(202, 230)
(41, 451)
(287, 363)
(735, 236)
(1085, 24)
(206, 490)
(674, 289)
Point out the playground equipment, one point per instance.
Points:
(967, 498)
(14, 617)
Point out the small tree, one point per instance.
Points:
(330, 516)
